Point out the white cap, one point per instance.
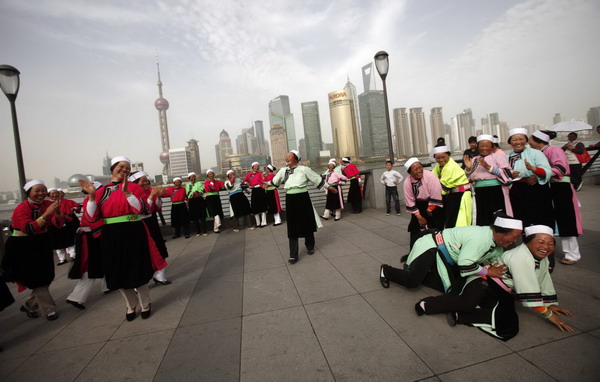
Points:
(333, 160)
(495, 140)
(532, 230)
(191, 174)
(136, 176)
(176, 179)
(97, 185)
(410, 162)
(32, 183)
(52, 189)
(119, 159)
(296, 153)
(518, 130)
(60, 190)
(254, 164)
(209, 170)
(508, 223)
(346, 159)
(440, 149)
(230, 172)
(485, 137)
(543, 136)
(270, 167)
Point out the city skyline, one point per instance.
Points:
(88, 70)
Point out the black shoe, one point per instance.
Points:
(62, 262)
(452, 318)
(147, 313)
(382, 278)
(292, 260)
(158, 282)
(130, 316)
(275, 225)
(336, 219)
(52, 317)
(176, 236)
(418, 308)
(76, 304)
(310, 251)
(29, 313)
(324, 218)
(187, 236)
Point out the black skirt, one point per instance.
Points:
(95, 267)
(532, 204)
(300, 215)
(451, 208)
(333, 200)
(197, 209)
(272, 202)
(435, 221)
(354, 195)
(488, 201)
(213, 203)
(179, 215)
(156, 235)
(126, 255)
(65, 236)
(29, 260)
(259, 201)
(562, 198)
(240, 205)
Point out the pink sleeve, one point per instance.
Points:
(409, 197)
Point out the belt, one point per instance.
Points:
(354, 177)
(175, 203)
(293, 191)
(565, 179)
(212, 193)
(235, 192)
(257, 186)
(439, 241)
(270, 188)
(463, 188)
(122, 219)
(487, 183)
(16, 232)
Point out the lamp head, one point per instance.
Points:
(382, 64)
(9, 81)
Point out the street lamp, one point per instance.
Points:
(9, 82)
(382, 64)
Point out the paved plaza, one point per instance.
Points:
(238, 311)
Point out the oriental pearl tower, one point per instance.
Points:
(161, 104)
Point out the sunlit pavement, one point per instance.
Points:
(238, 311)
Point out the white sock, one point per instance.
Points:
(422, 305)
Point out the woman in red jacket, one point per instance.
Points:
(354, 195)
(212, 187)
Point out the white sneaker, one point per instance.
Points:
(387, 214)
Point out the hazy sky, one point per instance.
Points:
(88, 71)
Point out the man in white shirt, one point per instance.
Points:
(390, 179)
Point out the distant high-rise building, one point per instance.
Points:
(343, 129)
(418, 132)
(374, 127)
(351, 91)
(263, 145)
(455, 136)
(106, 165)
(162, 105)
(280, 115)
(404, 147)
(247, 143)
(137, 166)
(224, 148)
(302, 149)
(218, 156)
(557, 118)
(195, 151)
(279, 148)
(448, 136)
(180, 161)
(242, 163)
(436, 123)
(593, 116)
(466, 126)
(312, 130)
(368, 75)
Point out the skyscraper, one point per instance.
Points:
(417, 130)
(436, 123)
(312, 130)
(180, 161)
(455, 135)
(224, 148)
(374, 127)
(278, 145)
(593, 116)
(263, 145)
(368, 76)
(404, 147)
(343, 129)
(195, 152)
(162, 105)
(246, 142)
(106, 165)
(557, 118)
(466, 125)
(280, 115)
(351, 91)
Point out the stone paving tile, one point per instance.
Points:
(55, 366)
(262, 257)
(343, 226)
(269, 289)
(205, 352)
(390, 256)
(281, 346)
(395, 234)
(577, 278)
(9, 365)
(461, 346)
(369, 241)
(595, 333)
(507, 368)
(359, 345)
(214, 299)
(303, 256)
(319, 281)
(134, 358)
(335, 245)
(360, 271)
(571, 359)
(585, 308)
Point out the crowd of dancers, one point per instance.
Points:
(465, 221)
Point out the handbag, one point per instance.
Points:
(583, 157)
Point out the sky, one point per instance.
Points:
(88, 68)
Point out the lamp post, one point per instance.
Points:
(9, 82)
(382, 64)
